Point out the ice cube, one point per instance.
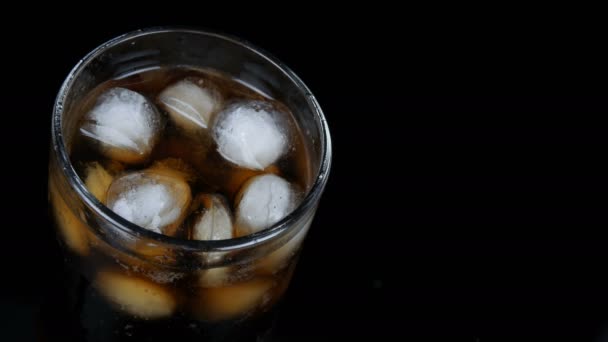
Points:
(148, 266)
(155, 201)
(136, 296)
(250, 134)
(190, 103)
(263, 201)
(215, 222)
(71, 228)
(227, 302)
(125, 124)
(279, 258)
(214, 277)
(98, 180)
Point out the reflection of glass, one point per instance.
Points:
(137, 269)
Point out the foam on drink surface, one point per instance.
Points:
(201, 157)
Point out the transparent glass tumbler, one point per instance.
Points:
(129, 283)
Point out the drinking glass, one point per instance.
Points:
(129, 283)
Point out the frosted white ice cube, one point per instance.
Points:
(263, 201)
(155, 201)
(250, 134)
(125, 123)
(215, 222)
(190, 103)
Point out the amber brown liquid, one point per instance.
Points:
(93, 318)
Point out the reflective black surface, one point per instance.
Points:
(467, 199)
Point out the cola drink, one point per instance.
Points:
(181, 202)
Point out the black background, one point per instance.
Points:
(467, 198)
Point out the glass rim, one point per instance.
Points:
(282, 227)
